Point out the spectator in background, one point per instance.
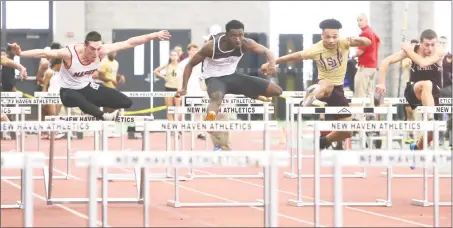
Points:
(351, 71)
(446, 90)
(172, 82)
(8, 73)
(178, 49)
(367, 64)
(196, 86)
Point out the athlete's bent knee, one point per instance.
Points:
(126, 103)
(216, 97)
(274, 90)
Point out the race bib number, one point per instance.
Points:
(94, 85)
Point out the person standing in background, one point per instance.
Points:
(108, 75)
(446, 88)
(364, 80)
(196, 86)
(172, 82)
(178, 49)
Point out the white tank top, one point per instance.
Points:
(78, 76)
(222, 62)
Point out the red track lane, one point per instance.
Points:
(401, 214)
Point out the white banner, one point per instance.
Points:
(180, 159)
(211, 125)
(15, 110)
(35, 126)
(235, 109)
(381, 125)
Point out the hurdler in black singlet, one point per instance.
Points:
(431, 73)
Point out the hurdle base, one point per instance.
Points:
(37, 178)
(178, 204)
(246, 176)
(378, 203)
(55, 201)
(353, 175)
(384, 174)
(18, 205)
(424, 203)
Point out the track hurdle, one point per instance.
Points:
(425, 110)
(270, 161)
(26, 162)
(227, 107)
(6, 100)
(299, 111)
(264, 126)
(365, 126)
(334, 110)
(293, 98)
(383, 158)
(440, 109)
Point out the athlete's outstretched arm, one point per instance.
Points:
(10, 63)
(204, 52)
(358, 41)
(136, 41)
(424, 62)
(251, 45)
(62, 53)
(383, 68)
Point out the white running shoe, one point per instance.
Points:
(310, 95)
(111, 116)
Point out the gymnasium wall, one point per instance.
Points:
(80, 17)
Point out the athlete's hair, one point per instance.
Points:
(55, 46)
(234, 24)
(191, 45)
(330, 24)
(93, 36)
(414, 41)
(443, 37)
(428, 34)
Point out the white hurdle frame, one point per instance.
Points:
(270, 161)
(365, 126)
(291, 99)
(395, 101)
(383, 158)
(7, 98)
(313, 111)
(26, 162)
(20, 142)
(230, 100)
(177, 126)
(298, 202)
(425, 201)
(41, 98)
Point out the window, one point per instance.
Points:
(27, 14)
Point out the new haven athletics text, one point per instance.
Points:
(238, 110)
(45, 126)
(376, 126)
(207, 126)
(31, 101)
(234, 100)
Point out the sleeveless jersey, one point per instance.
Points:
(222, 62)
(431, 73)
(78, 76)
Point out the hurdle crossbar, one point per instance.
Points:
(26, 162)
(183, 159)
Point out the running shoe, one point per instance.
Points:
(310, 95)
(217, 148)
(210, 116)
(413, 147)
